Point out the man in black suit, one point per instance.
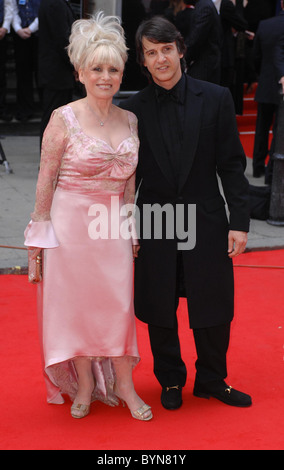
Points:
(267, 92)
(25, 26)
(56, 75)
(279, 61)
(233, 23)
(6, 16)
(204, 42)
(187, 129)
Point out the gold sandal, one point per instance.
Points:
(82, 410)
(138, 414)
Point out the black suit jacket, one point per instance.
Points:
(211, 142)
(265, 43)
(204, 43)
(279, 58)
(230, 18)
(55, 21)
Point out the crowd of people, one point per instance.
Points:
(220, 48)
(220, 45)
(166, 141)
(20, 18)
(41, 63)
(231, 43)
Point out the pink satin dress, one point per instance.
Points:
(86, 298)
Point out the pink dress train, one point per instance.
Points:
(85, 302)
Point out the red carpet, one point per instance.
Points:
(255, 366)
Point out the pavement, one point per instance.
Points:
(17, 196)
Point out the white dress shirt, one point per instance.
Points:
(17, 23)
(9, 9)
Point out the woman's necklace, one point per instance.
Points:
(102, 123)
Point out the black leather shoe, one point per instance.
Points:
(171, 397)
(222, 392)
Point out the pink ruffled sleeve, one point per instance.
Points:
(39, 232)
(40, 235)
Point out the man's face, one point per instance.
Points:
(163, 62)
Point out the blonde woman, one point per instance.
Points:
(87, 176)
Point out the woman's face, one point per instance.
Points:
(102, 81)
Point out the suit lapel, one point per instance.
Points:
(194, 105)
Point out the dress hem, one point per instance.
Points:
(61, 379)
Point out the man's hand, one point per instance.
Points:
(281, 81)
(236, 242)
(3, 32)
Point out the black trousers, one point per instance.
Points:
(3, 82)
(266, 117)
(26, 52)
(211, 348)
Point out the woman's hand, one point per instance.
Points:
(135, 249)
(36, 251)
(24, 33)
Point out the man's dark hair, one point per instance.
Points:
(158, 30)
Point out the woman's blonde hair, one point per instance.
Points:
(100, 38)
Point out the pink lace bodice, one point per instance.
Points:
(74, 161)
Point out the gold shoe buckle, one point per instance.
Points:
(228, 389)
(174, 386)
